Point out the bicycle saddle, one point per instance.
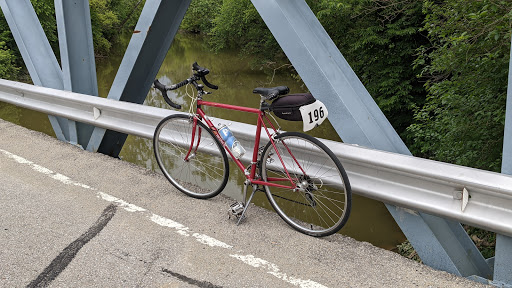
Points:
(271, 93)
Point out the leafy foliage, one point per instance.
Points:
(109, 18)
(485, 241)
(200, 16)
(9, 67)
(405, 249)
(238, 24)
(465, 65)
(10, 58)
(379, 39)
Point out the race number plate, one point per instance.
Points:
(313, 115)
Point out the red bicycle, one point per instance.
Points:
(302, 178)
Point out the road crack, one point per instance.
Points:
(68, 254)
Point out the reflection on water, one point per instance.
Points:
(369, 221)
(27, 118)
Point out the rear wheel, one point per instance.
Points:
(320, 203)
(200, 171)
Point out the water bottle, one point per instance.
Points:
(233, 144)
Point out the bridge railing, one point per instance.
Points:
(471, 196)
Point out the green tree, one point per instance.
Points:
(103, 21)
(10, 57)
(465, 65)
(379, 39)
(200, 16)
(109, 18)
(9, 68)
(239, 25)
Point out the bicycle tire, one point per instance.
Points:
(321, 204)
(205, 173)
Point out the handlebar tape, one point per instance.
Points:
(181, 84)
(159, 86)
(208, 84)
(164, 89)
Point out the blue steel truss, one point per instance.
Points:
(153, 35)
(502, 261)
(77, 58)
(441, 243)
(36, 51)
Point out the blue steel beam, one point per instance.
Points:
(506, 164)
(440, 243)
(503, 260)
(503, 253)
(77, 57)
(37, 53)
(444, 244)
(153, 35)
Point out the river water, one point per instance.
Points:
(369, 220)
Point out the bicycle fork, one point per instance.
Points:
(195, 130)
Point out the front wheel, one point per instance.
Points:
(190, 156)
(320, 203)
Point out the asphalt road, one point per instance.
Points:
(71, 218)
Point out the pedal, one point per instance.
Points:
(236, 209)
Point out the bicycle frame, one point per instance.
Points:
(251, 176)
(305, 201)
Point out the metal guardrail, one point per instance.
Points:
(471, 196)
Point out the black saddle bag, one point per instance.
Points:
(287, 107)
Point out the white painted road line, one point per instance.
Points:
(179, 228)
(274, 270)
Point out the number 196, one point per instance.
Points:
(317, 114)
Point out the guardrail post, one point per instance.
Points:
(77, 57)
(153, 35)
(358, 120)
(37, 53)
